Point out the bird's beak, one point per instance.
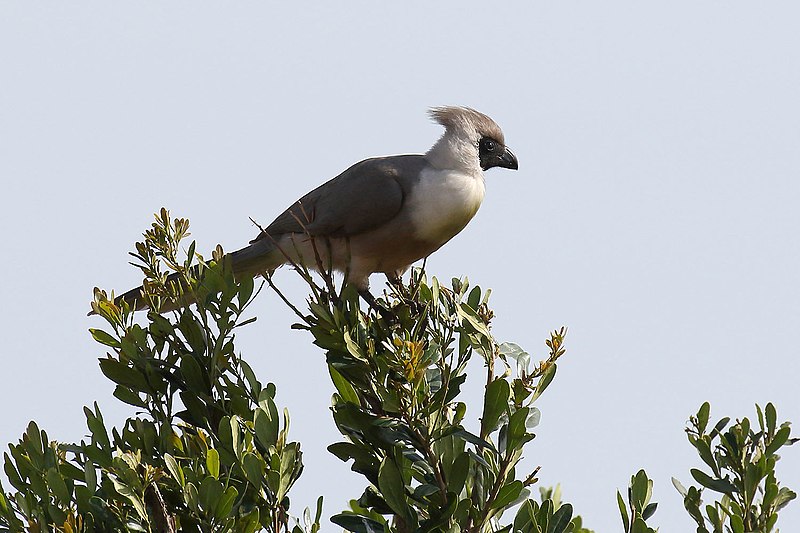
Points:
(508, 160)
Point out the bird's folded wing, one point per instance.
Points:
(362, 198)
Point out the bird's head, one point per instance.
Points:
(471, 142)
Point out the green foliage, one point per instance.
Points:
(742, 462)
(209, 451)
(638, 508)
(398, 376)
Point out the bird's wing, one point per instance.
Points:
(363, 197)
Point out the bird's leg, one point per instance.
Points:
(371, 301)
(387, 314)
(397, 283)
(405, 293)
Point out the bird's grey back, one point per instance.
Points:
(362, 198)
(369, 193)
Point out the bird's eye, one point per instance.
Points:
(488, 145)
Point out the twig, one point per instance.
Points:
(163, 521)
(285, 299)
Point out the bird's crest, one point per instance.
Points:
(456, 117)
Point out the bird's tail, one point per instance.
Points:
(260, 257)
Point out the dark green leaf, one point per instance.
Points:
(392, 488)
(58, 486)
(623, 511)
(507, 494)
(495, 403)
(459, 473)
(126, 395)
(720, 485)
(210, 492)
(649, 510)
(561, 519)
(226, 502)
(702, 417)
(357, 524)
(772, 418)
(473, 439)
(122, 374)
(192, 375)
(253, 468)
(781, 436)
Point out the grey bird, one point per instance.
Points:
(382, 214)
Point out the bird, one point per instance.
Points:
(382, 214)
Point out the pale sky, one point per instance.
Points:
(655, 212)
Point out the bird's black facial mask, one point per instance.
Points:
(493, 154)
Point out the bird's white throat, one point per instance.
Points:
(443, 202)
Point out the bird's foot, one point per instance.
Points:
(390, 318)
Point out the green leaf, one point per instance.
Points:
(641, 490)
(253, 468)
(266, 427)
(720, 485)
(353, 348)
(90, 476)
(392, 488)
(781, 436)
(524, 520)
(623, 511)
(639, 526)
(495, 403)
(250, 376)
(472, 318)
(357, 524)
(97, 428)
(544, 381)
(561, 519)
(459, 473)
(473, 439)
(704, 450)
(57, 485)
(210, 493)
(772, 417)
(122, 374)
(127, 492)
(516, 428)
(104, 338)
(192, 375)
(507, 494)
(246, 287)
(212, 462)
(174, 469)
(226, 503)
(289, 466)
(511, 350)
(191, 497)
(785, 495)
(737, 525)
(343, 387)
(474, 298)
(126, 395)
(702, 417)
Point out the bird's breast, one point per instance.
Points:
(442, 203)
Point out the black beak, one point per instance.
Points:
(506, 159)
